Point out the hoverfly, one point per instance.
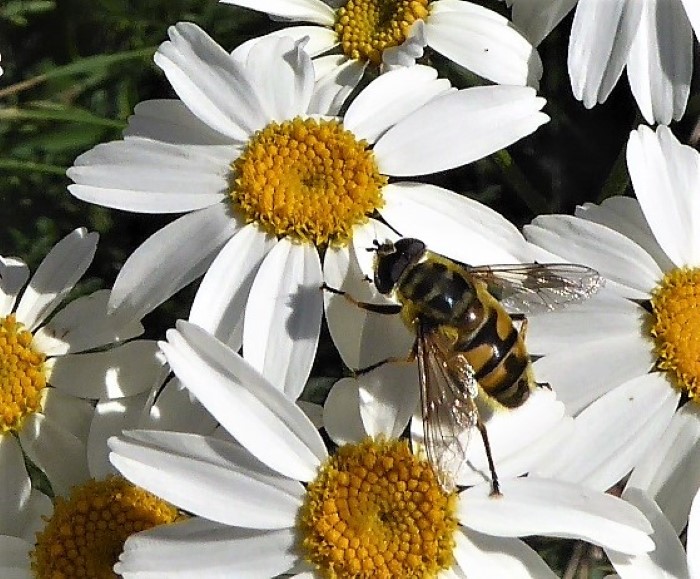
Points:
(467, 346)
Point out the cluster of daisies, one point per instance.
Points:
(285, 160)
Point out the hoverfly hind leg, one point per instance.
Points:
(495, 486)
(390, 360)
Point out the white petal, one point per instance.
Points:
(483, 42)
(254, 411)
(692, 10)
(170, 121)
(666, 561)
(197, 547)
(533, 506)
(125, 370)
(210, 82)
(670, 470)
(146, 176)
(475, 122)
(13, 275)
(336, 77)
(660, 63)
(601, 36)
(581, 375)
(390, 98)
(665, 175)
(170, 259)
(616, 257)
(283, 316)
(15, 560)
(537, 18)
(56, 275)
(209, 477)
(486, 557)
(305, 10)
(15, 483)
(693, 543)
(318, 40)
(614, 433)
(219, 303)
(453, 225)
(85, 324)
(362, 337)
(341, 412)
(407, 53)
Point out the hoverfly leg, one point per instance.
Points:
(387, 309)
(495, 486)
(390, 360)
(546, 385)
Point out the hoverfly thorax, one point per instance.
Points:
(393, 259)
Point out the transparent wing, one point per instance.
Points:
(448, 390)
(538, 287)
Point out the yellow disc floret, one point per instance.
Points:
(86, 533)
(366, 28)
(377, 511)
(676, 328)
(309, 179)
(22, 374)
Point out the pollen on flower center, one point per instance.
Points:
(309, 179)
(365, 28)
(87, 531)
(22, 374)
(375, 510)
(676, 327)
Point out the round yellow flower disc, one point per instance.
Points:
(676, 328)
(308, 179)
(22, 374)
(377, 511)
(366, 28)
(87, 531)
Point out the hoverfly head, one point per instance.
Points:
(392, 259)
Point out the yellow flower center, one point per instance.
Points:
(309, 179)
(375, 510)
(22, 375)
(87, 531)
(366, 28)
(675, 305)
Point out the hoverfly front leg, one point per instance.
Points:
(388, 309)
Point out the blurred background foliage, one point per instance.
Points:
(74, 70)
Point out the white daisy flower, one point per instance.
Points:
(395, 32)
(278, 503)
(626, 361)
(266, 182)
(668, 560)
(48, 375)
(653, 38)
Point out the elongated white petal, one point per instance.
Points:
(13, 275)
(693, 539)
(170, 259)
(122, 371)
(212, 550)
(660, 63)
(666, 561)
(474, 122)
(147, 176)
(15, 560)
(85, 324)
(341, 412)
(581, 375)
(15, 483)
(666, 175)
(283, 316)
(390, 98)
(336, 77)
(209, 477)
(486, 557)
(614, 433)
(482, 41)
(317, 41)
(215, 87)
(219, 303)
(255, 412)
(537, 18)
(534, 506)
(670, 470)
(453, 225)
(601, 37)
(614, 256)
(56, 275)
(692, 10)
(302, 10)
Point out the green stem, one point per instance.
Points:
(618, 179)
(28, 166)
(512, 174)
